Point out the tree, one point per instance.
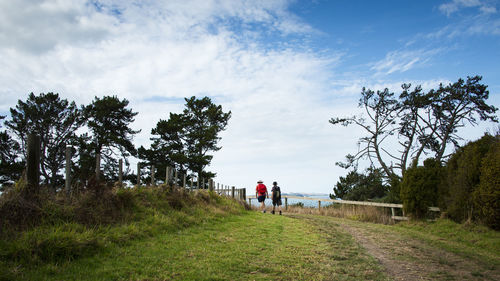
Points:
(55, 120)
(361, 187)
(109, 119)
(421, 123)
(203, 122)
(184, 140)
(11, 165)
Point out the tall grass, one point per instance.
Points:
(353, 212)
(57, 229)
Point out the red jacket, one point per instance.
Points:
(261, 189)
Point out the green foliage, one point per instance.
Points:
(63, 231)
(361, 187)
(55, 120)
(11, 166)
(487, 194)
(420, 187)
(109, 119)
(421, 122)
(184, 140)
(463, 176)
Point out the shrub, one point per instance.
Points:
(463, 176)
(419, 188)
(487, 195)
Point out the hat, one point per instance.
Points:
(259, 181)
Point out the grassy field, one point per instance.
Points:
(251, 246)
(190, 236)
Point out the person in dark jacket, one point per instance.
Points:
(276, 195)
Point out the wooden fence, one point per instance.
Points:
(363, 203)
(172, 176)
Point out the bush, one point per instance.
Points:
(463, 177)
(487, 195)
(419, 188)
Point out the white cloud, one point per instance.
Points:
(156, 53)
(404, 60)
(456, 5)
(39, 26)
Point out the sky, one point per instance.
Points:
(283, 68)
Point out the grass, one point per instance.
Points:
(64, 231)
(352, 212)
(163, 234)
(251, 246)
(468, 240)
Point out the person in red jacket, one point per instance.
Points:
(261, 194)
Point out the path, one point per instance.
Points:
(404, 257)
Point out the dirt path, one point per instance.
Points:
(404, 257)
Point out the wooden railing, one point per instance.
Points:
(363, 203)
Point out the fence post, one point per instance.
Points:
(33, 165)
(175, 178)
(184, 181)
(211, 185)
(244, 194)
(120, 172)
(319, 205)
(138, 174)
(97, 166)
(68, 170)
(153, 181)
(167, 170)
(232, 191)
(286, 204)
(250, 202)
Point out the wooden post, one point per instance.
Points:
(153, 181)
(319, 205)
(393, 212)
(68, 170)
(211, 185)
(203, 183)
(232, 191)
(97, 167)
(184, 181)
(138, 174)
(286, 203)
(218, 188)
(120, 172)
(33, 165)
(175, 178)
(250, 202)
(244, 194)
(167, 174)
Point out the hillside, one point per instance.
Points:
(175, 235)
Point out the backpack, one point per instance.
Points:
(277, 192)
